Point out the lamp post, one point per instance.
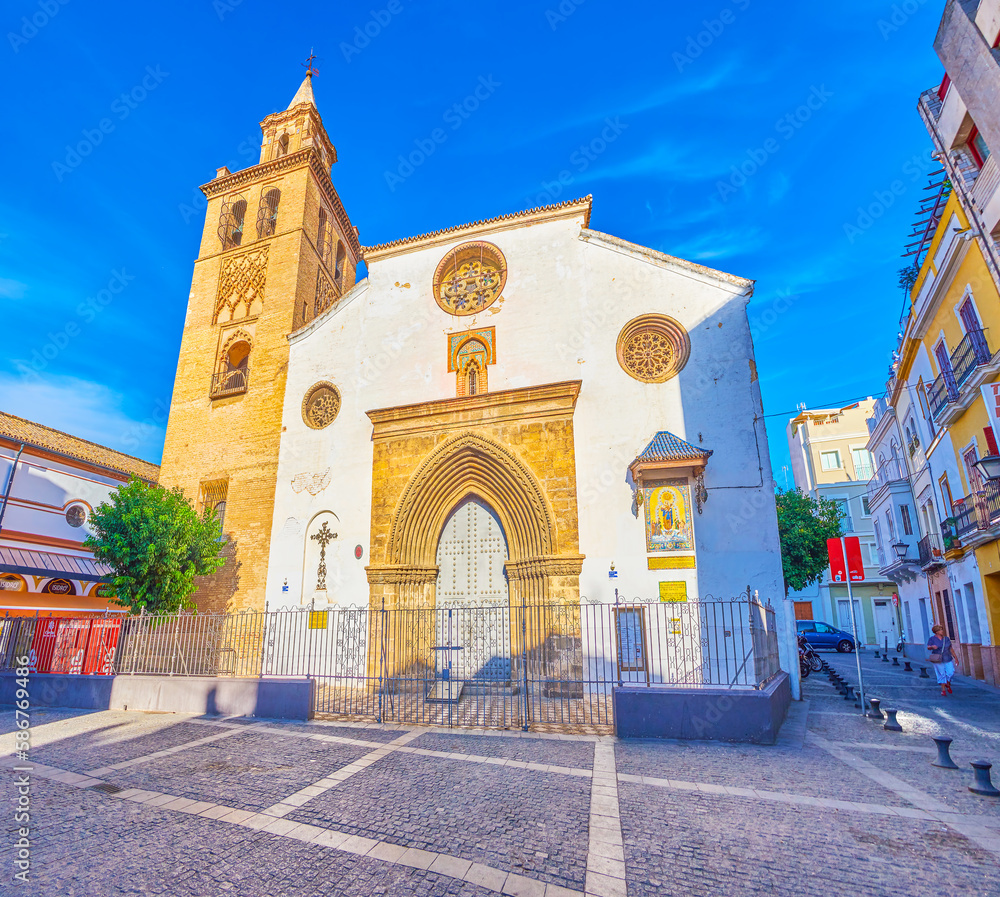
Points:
(989, 467)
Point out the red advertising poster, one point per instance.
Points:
(855, 565)
(101, 647)
(43, 644)
(71, 646)
(838, 569)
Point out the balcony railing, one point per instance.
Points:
(966, 518)
(229, 383)
(891, 471)
(971, 353)
(941, 392)
(929, 549)
(977, 512)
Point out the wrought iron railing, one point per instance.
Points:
(499, 665)
(229, 383)
(972, 352)
(889, 471)
(929, 549)
(965, 516)
(941, 392)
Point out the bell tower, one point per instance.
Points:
(276, 250)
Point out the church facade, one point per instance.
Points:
(522, 409)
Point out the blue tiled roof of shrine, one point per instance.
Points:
(664, 446)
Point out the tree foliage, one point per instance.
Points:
(804, 525)
(155, 542)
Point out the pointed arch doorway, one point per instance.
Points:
(472, 595)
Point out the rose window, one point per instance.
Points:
(653, 348)
(321, 406)
(470, 278)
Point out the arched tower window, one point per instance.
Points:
(231, 220)
(338, 273)
(281, 146)
(267, 212)
(233, 371)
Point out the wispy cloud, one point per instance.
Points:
(81, 408)
(12, 289)
(719, 244)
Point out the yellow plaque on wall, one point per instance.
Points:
(673, 591)
(671, 563)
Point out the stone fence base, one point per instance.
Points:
(266, 698)
(712, 714)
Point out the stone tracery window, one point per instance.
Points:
(470, 278)
(321, 405)
(653, 348)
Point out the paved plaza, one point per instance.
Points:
(167, 804)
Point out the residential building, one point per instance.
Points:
(943, 386)
(830, 459)
(51, 483)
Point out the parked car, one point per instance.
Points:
(823, 635)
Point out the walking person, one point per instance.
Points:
(940, 654)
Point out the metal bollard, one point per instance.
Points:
(923, 673)
(895, 661)
(849, 694)
(944, 760)
(885, 657)
(891, 725)
(875, 713)
(907, 667)
(982, 784)
(877, 655)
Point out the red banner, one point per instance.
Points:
(101, 647)
(43, 644)
(838, 569)
(855, 564)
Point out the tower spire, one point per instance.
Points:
(305, 92)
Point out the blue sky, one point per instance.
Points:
(117, 112)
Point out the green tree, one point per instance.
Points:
(156, 544)
(804, 525)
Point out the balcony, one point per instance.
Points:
(972, 354)
(930, 551)
(229, 383)
(976, 513)
(891, 471)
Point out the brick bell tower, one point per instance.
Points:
(277, 249)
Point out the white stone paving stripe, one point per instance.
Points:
(979, 834)
(333, 779)
(605, 851)
(507, 883)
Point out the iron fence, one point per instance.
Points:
(495, 665)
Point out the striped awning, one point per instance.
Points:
(45, 563)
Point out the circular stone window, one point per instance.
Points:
(76, 515)
(470, 278)
(321, 405)
(653, 348)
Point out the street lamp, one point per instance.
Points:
(900, 549)
(989, 467)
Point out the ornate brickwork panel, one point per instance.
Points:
(241, 285)
(470, 278)
(458, 341)
(321, 405)
(653, 348)
(326, 293)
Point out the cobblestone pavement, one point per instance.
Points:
(170, 804)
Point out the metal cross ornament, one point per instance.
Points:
(309, 63)
(324, 536)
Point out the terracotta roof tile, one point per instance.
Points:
(18, 429)
(664, 446)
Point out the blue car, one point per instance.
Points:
(823, 635)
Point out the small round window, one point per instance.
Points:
(76, 515)
(321, 406)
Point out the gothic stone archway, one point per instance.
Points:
(515, 451)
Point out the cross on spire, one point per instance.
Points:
(310, 59)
